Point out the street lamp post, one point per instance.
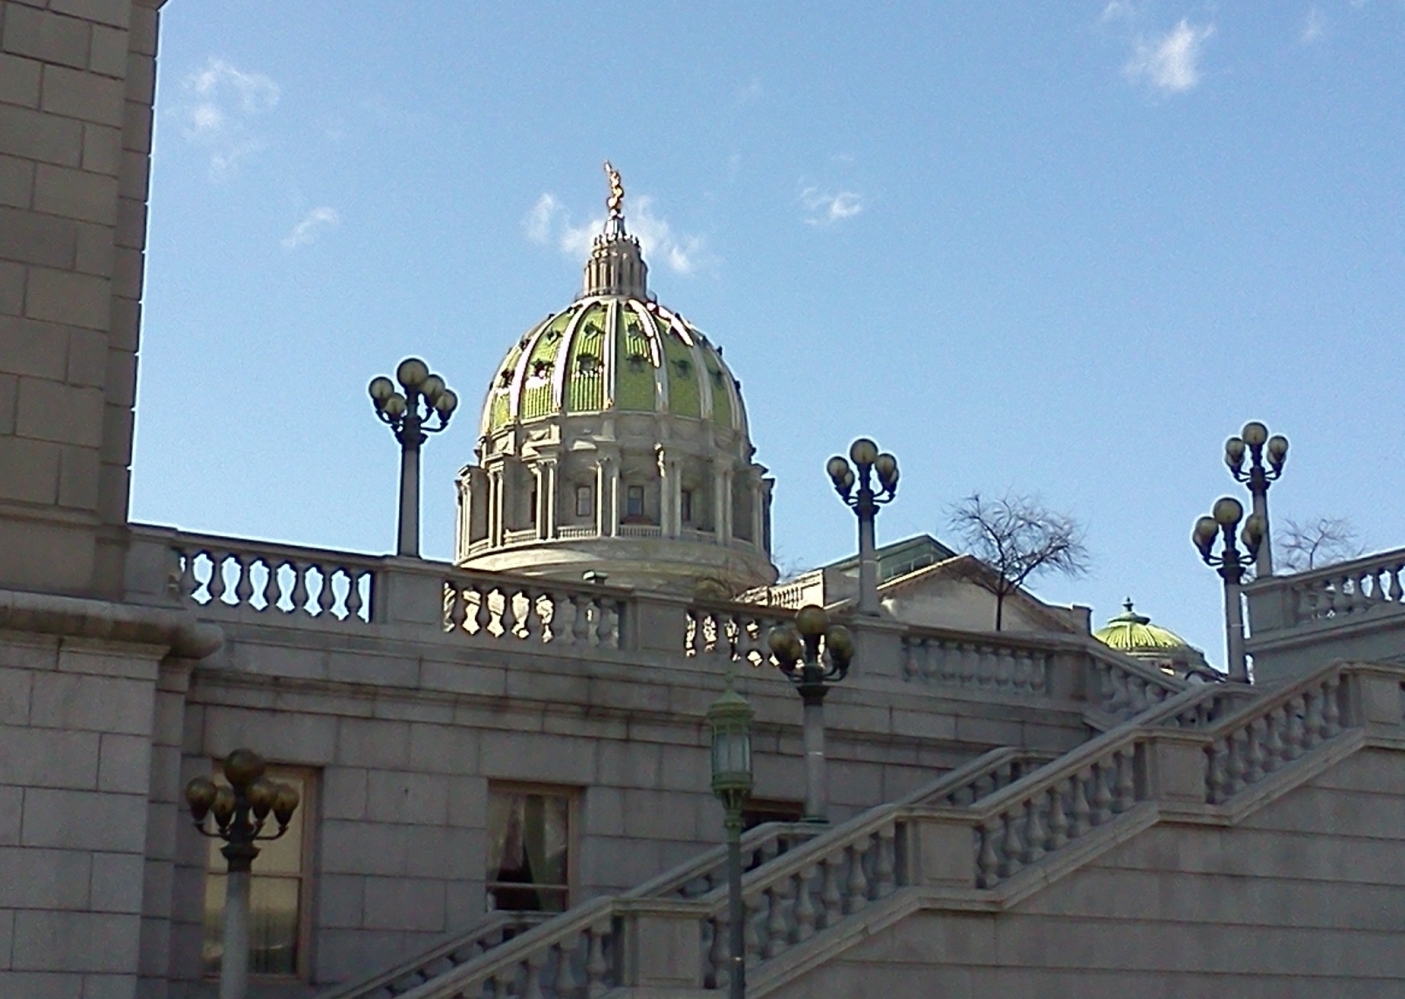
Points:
(865, 504)
(408, 414)
(240, 810)
(1231, 563)
(1255, 440)
(813, 671)
(730, 717)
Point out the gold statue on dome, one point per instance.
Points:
(615, 202)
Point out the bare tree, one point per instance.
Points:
(1019, 538)
(1311, 544)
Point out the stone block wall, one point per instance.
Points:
(406, 737)
(76, 724)
(77, 79)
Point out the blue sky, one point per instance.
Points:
(1062, 249)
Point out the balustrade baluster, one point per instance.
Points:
(884, 863)
(1296, 713)
(458, 612)
(909, 669)
(300, 595)
(482, 613)
(1274, 724)
(1125, 789)
(243, 579)
(215, 587)
(1136, 691)
(830, 895)
(1331, 707)
(1312, 726)
(186, 583)
(1102, 794)
(777, 929)
(987, 858)
(1082, 819)
(804, 905)
(1058, 818)
(597, 969)
(719, 957)
(1254, 753)
(1012, 846)
(1004, 669)
(1020, 677)
(580, 629)
(753, 905)
(1304, 604)
(605, 630)
(1215, 774)
(326, 596)
(856, 887)
(269, 593)
(354, 603)
(1121, 694)
(504, 982)
(511, 620)
(1236, 767)
(1396, 591)
(1035, 835)
(532, 987)
(565, 984)
(532, 624)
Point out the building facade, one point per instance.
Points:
(504, 773)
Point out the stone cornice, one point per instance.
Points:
(47, 614)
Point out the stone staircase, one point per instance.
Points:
(982, 838)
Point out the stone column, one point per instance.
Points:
(539, 499)
(670, 497)
(722, 488)
(607, 488)
(495, 506)
(758, 511)
(549, 489)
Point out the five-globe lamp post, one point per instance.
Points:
(730, 717)
(240, 810)
(1255, 441)
(814, 655)
(1231, 564)
(865, 503)
(408, 413)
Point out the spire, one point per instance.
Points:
(616, 267)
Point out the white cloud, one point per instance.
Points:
(827, 208)
(1313, 29)
(305, 231)
(220, 101)
(1117, 10)
(1170, 62)
(549, 221)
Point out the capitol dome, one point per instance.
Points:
(613, 440)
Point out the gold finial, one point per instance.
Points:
(615, 202)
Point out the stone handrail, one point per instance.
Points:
(1117, 685)
(855, 865)
(730, 632)
(230, 577)
(1373, 585)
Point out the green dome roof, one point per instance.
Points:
(1134, 634)
(612, 352)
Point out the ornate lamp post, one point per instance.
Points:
(1255, 439)
(408, 414)
(812, 671)
(240, 810)
(865, 504)
(730, 717)
(1231, 563)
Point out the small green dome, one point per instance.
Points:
(1134, 634)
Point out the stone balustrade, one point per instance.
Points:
(489, 607)
(1351, 610)
(225, 577)
(728, 633)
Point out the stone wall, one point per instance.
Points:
(76, 725)
(76, 84)
(405, 737)
(1304, 898)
